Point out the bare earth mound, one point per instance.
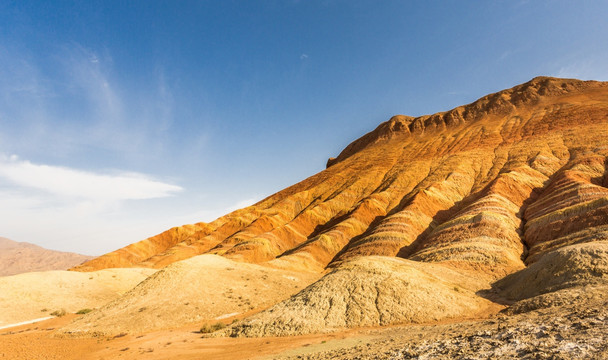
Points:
(35, 295)
(205, 288)
(570, 266)
(575, 274)
(370, 291)
(20, 257)
(569, 331)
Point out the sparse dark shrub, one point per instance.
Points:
(58, 313)
(209, 328)
(83, 311)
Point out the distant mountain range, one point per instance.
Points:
(21, 257)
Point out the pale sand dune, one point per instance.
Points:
(34, 295)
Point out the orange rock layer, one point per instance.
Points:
(490, 186)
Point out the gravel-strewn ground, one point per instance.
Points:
(573, 331)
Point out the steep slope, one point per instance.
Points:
(483, 191)
(20, 257)
(462, 187)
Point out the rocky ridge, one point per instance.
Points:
(494, 190)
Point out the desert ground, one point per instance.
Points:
(567, 330)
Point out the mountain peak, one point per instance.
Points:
(501, 102)
(412, 185)
(509, 192)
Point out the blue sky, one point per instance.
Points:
(121, 119)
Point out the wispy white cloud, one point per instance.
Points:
(75, 100)
(76, 210)
(60, 104)
(72, 107)
(82, 184)
(88, 76)
(584, 69)
(65, 223)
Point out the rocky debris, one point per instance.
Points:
(572, 331)
(570, 266)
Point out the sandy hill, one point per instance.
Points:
(21, 257)
(497, 191)
(202, 289)
(36, 295)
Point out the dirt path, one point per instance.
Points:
(25, 322)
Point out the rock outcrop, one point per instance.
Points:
(474, 187)
(571, 266)
(505, 185)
